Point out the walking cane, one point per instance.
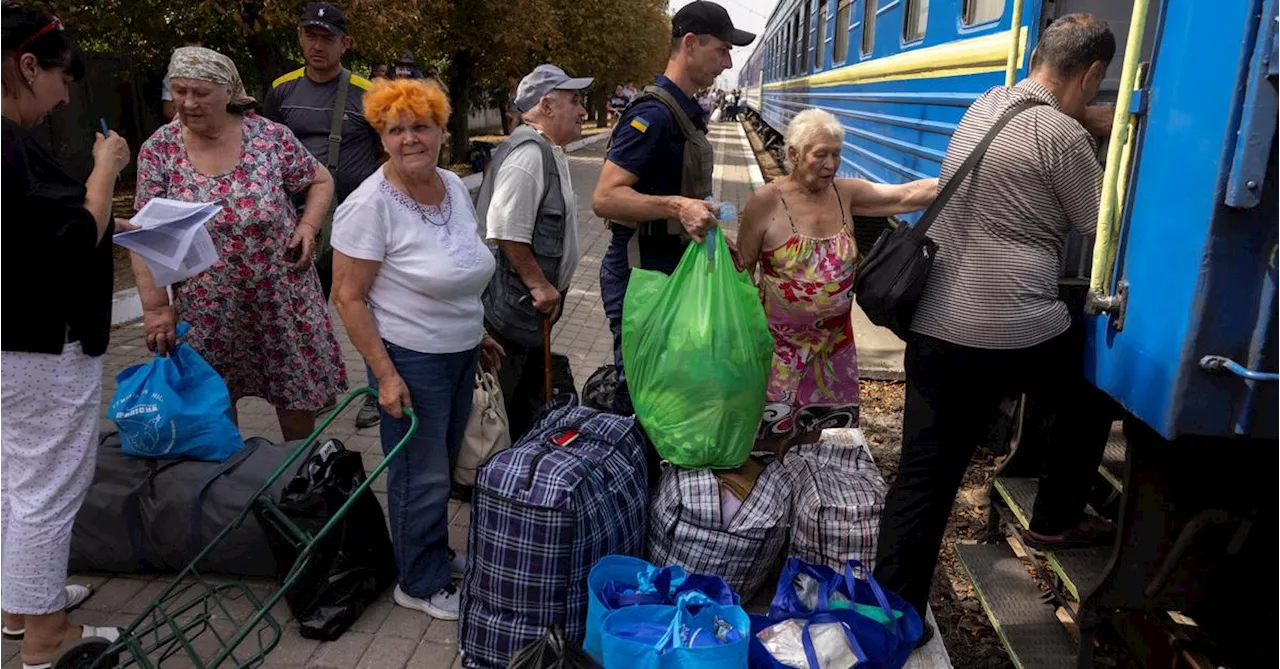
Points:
(546, 355)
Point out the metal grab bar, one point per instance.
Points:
(1103, 249)
(1015, 45)
(1221, 363)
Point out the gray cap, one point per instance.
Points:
(543, 80)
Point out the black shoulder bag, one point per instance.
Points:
(894, 272)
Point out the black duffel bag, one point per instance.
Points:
(352, 565)
(144, 515)
(894, 272)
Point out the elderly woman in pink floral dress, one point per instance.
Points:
(257, 315)
(797, 232)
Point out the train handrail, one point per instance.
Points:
(1099, 300)
(1015, 45)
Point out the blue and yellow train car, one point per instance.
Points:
(1178, 290)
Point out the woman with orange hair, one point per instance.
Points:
(409, 267)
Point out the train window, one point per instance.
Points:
(842, 32)
(806, 21)
(820, 47)
(981, 11)
(796, 47)
(916, 17)
(868, 26)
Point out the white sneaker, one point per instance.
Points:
(443, 605)
(457, 564)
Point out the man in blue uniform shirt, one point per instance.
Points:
(659, 164)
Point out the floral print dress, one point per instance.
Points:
(263, 326)
(806, 286)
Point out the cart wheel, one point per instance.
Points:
(85, 653)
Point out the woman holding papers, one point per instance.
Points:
(56, 327)
(257, 315)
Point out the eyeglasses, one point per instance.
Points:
(55, 24)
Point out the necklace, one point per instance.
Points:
(445, 208)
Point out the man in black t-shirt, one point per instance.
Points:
(304, 101)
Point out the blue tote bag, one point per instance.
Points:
(175, 407)
(695, 633)
(884, 627)
(621, 581)
(867, 596)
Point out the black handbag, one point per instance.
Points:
(353, 565)
(894, 272)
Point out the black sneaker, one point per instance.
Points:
(369, 414)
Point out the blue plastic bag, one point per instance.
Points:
(620, 581)
(175, 407)
(885, 626)
(695, 633)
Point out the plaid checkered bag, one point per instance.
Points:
(686, 527)
(544, 512)
(839, 496)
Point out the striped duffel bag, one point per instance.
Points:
(838, 500)
(692, 524)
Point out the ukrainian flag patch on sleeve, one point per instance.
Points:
(639, 124)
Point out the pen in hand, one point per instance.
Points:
(107, 131)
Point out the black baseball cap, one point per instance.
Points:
(324, 15)
(708, 18)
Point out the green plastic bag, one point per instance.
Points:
(697, 352)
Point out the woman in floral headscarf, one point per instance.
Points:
(257, 315)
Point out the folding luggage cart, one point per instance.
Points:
(196, 622)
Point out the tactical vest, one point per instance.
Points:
(695, 170)
(508, 305)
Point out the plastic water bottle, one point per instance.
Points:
(728, 212)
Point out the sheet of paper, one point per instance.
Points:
(172, 238)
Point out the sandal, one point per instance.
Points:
(76, 595)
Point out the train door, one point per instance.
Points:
(1077, 261)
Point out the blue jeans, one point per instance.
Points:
(441, 387)
(657, 252)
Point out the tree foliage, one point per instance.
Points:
(478, 46)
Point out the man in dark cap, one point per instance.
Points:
(658, 170)
(323, 104)
(407, 68)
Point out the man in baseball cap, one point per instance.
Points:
(541, 81)
(708, 18)
(307, 101)
(324, 16)
(652, 190)
(528, 195)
